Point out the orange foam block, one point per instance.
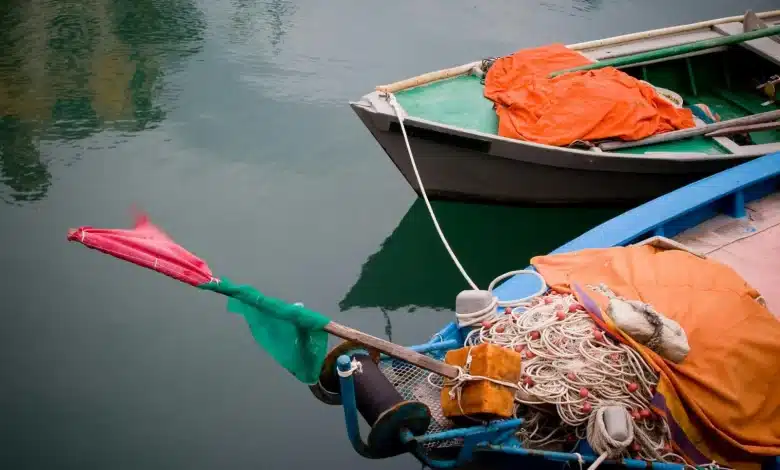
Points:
(483, 399)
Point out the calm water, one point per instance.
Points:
(227, 122)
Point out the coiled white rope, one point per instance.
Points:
(573, 365)
(567, 361)
(490, 311)
(599, 438)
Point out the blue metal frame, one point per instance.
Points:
(497, 436)
(725, 192)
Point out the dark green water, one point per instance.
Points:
(227, 122)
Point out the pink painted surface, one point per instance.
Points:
(757, 260)
(751, 246)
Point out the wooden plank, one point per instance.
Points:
(727, 144)
(427, 78)
(753, 22)
(670, 52)
(691, 132)
(586, 47)
(664, 243)
(650, 44)
(672, 206)
(758, 150)
(747, 128)
(664, 31)
(393, 350)
(677, 57)
(765, 47)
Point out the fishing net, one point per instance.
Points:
(292, 334)
(571, 368)
(417, 384)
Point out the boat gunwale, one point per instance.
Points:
(677, 204)
(664, 209)
(661, 156)
(647, 218)
(371, 102)
(769, 16)
(588, 159)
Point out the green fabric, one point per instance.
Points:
(291, 334)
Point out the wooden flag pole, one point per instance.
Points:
(393, 350)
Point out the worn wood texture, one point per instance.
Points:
(664, 31)
(427, 78)
(691, 132)
(393, 350)
(669, 52)
(764, 126)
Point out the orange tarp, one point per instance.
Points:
(588, 105)
(723, 400)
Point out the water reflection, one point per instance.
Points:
(411, 269)
(388, 325)
(274, 13)
(572, 7)
(71, 69)
(586, 5)
(21, 168)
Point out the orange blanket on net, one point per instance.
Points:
(722, 401)
(588, 105)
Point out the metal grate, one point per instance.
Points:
(414, 383)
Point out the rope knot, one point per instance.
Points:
(354, 366)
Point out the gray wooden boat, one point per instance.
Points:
(732, 65)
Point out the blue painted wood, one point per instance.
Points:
(703, 194)
(724, 192)
(738, 205)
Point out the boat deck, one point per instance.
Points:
(720, 80)
(751, 246)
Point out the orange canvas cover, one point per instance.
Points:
(722, 401)
(588, 105)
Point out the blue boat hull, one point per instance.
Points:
(494, 444)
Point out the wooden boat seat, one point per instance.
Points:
(645, 45)
(766, 47)
(745, 150)
(664, 243)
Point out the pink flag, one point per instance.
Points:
(147, 246)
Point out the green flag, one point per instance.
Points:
(291, 334)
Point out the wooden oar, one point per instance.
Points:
(465, 68)
(147, 246)
(740, 129)
(427, 78)
(393, 350)
(462, 69)
(669, 52)
(692, 132)
(664, 31)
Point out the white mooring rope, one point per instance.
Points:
(568, 362)
(489, 312)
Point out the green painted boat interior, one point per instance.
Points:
(725, 81)
(457, 102)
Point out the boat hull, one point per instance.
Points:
(733, 193)
(455, 164)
